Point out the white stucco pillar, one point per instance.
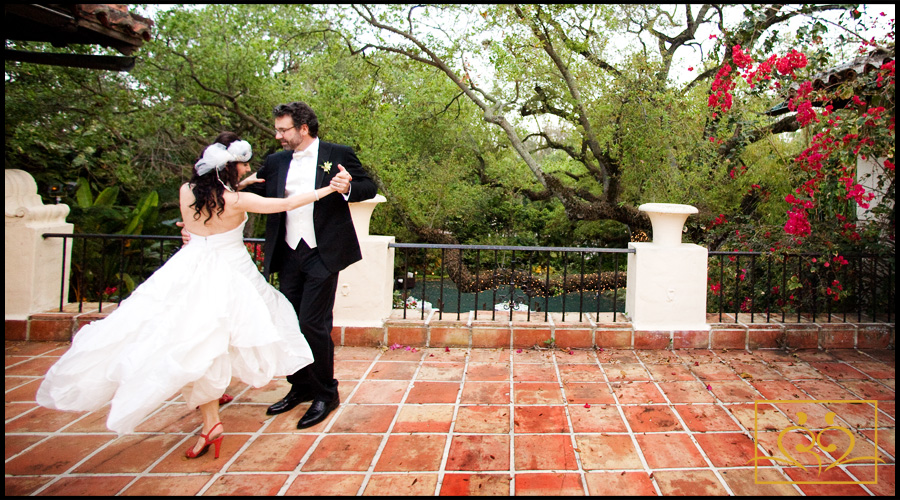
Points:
(365, 289)
(33, 264)
(666, 282)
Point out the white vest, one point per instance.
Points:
(301, 178)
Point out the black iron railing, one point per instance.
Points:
(505, 279)
(107, 267)
(801, 287)
(497, 281)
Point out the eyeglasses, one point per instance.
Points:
(283, 131)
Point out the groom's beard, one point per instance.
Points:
(291, 145)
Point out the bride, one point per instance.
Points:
(203, 317)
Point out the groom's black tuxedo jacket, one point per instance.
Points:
(335, 235)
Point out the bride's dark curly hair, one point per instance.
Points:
(208, 190)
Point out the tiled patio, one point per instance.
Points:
(429, 421)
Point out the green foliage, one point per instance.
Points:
(130, 140)
(93, 268)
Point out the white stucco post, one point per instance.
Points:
(867, 172)
(365, 289)
(33, 264)
(666, 282)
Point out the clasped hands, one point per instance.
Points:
(340, 182)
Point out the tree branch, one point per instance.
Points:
(584, 52)
(491, 112)
(236, 110)
(737, 142)
(604, 174)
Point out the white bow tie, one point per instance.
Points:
(306, 152)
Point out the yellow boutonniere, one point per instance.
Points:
(326, 167)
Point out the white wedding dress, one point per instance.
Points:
(203, 317)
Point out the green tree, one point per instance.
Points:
(65, 123)
(630, 133)
(501, 124)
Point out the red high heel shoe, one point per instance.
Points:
(206, 442)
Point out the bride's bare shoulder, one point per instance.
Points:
(232, 201)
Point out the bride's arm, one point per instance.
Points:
(249, 202)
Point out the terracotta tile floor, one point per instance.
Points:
(489, 422)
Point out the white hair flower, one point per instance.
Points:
(217, 156)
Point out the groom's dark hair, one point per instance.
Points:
(301, 113)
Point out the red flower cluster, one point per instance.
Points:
(802, 105)
(787, 64)
(873, 115)
(886, 69)
(805, 113)
(820, 149)
(734, 172)
(805, 89)
(856, 191)
(741, 59)
(798, 223)
(721, 90)
(830, 158)
(719, 220)
(763, 72)
(721, 97)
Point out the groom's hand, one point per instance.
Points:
(185, 235)
(250, 179)
(341, 181)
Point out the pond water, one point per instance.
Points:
(453, 301)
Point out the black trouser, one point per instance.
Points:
(310, 288)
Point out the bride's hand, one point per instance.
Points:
(341, 182)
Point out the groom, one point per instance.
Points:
(310, 245)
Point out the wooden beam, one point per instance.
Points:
(113, 63)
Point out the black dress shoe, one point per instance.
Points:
(288, 403)
(317, 412)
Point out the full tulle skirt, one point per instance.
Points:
(204, 317)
